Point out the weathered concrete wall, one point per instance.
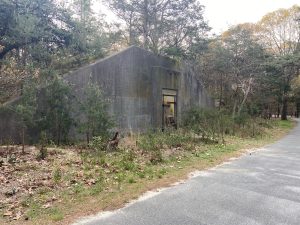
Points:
(132, 81)
(192, 92)
(163, 79)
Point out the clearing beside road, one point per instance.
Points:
(72, 183)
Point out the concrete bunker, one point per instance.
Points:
(145, 91)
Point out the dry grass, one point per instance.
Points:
(88, 184)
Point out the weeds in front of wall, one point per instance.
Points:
(154, 157)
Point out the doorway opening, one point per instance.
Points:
(169, 98)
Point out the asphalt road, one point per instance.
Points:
(258, 189)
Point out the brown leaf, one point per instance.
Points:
(7, 213)
(80, 174)
(91, 182)
(18, 216)
(46, 206)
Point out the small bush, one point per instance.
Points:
(141, 175)
(127, 165)
(156, 157)
(162, 171)
(131, 180)
(153, 144)
(150, 142)
(96, 120)
(95, 190)
(207, 123)
(43, 149)
(57, 175)
(56, 214)
(98, 144)
(176, 138)
(242, 119)
(212, 125)
(78, 188)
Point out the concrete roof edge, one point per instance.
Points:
(98, 61)
(114, 55)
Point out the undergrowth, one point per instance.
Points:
(152, 157)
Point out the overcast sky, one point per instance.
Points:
(224, 13)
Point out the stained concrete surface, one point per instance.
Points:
(132, 82)
(258, 189)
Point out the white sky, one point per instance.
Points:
(221, 14)
(224, 13)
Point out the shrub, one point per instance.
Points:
(43, 149)
(98, 144)
(242, 119)
(204, 122)
(54, 114)
(96, 121)
(57, 175)
(153, 143)
(150, 142)
(175, 138)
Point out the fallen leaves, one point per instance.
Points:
(31, 184)
(91, 182)
(10, 192)
(22, 176)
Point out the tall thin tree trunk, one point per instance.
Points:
(297, 109)
(57, 129)
(131, 35)
(221, 91)
(23, 140)
(245, 96)
(145, 24)
(88, 135)
(234, 107)
(284, 108)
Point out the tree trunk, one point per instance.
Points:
(131, 35)
(245, 96)
(57, 130)
(221, 91)
(234, 108)
(88, 137)
(145, 24)
(284, 108)
(23, 140)
(297, 109)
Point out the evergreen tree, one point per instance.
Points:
(26, 110)
(96, 120)
(55, 110)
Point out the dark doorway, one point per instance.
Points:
(169, 98)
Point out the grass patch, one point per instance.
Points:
(55, 214)
(108, 181)
(285, 124)
(35, 209)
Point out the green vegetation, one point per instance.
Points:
(96, 121)
(251, 70)
(55, 115)
(26, 109)
(285, 124)
(244, 69)
(95, 179)
(212, 125)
